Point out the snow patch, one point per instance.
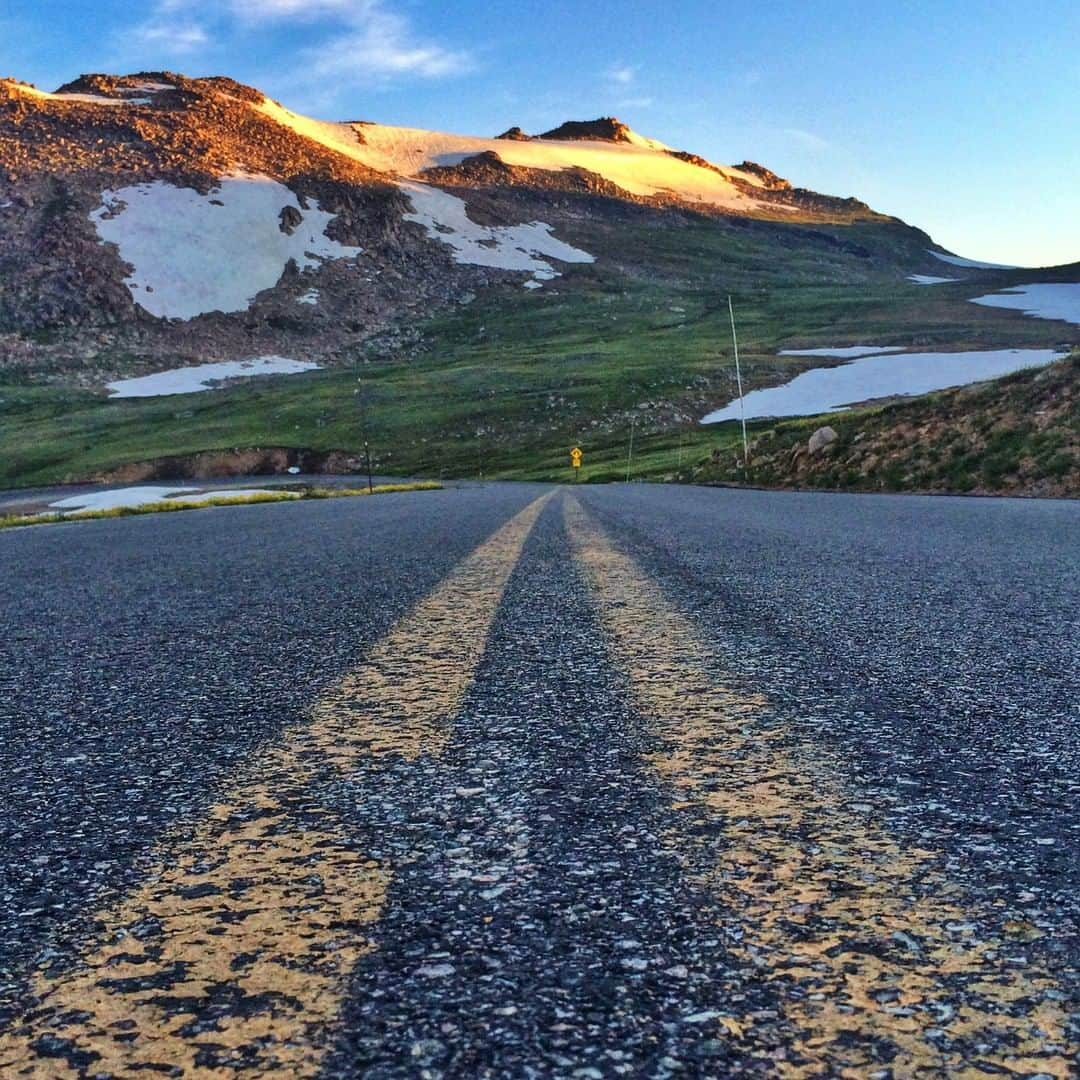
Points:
(81, 99)
(833, 389)
(846, 352)
(310, 297)
(649, 144)
(1060, 300)
(192, 380)
(503, 247)
(195, 253)
(971, 264)
(125, 498)
(929, 279)
(340, 137)
(117, 498)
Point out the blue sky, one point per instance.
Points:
(960, 116)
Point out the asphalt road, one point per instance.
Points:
(515, 781)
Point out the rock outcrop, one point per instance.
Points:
(604, 129)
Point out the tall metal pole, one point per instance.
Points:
(738, 379)
(630, 451)
(361, 400)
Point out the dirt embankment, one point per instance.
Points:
(251, 461)
(1019, 435)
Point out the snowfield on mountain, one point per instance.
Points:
(971, 264)
(514, 247)
(192, 254)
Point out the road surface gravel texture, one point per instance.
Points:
(523, 781)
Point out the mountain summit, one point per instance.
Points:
(605, 129)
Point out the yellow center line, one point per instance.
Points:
(878, 959)
(234, 954)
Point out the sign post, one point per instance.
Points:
(575, 462)
(738, 379)
(361, 398)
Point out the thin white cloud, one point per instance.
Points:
(381, 46)
(364, 42)
(305, 10)
(163, 36)
(807, 139)
(622, 74)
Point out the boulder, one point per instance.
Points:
(290, 219)
(515, 134)
(824, 436)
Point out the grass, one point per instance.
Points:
(11, 521)
(505, 386)
(377, 489)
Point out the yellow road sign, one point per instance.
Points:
(575, 457)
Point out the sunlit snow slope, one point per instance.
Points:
(640, 166)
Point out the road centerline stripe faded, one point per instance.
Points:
(234, 954)
(882, 965)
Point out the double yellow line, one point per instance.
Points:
(877, 959)
(235, 953)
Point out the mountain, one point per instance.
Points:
(156, 195)
(524, 290)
